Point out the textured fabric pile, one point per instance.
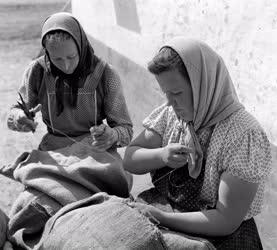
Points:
(108, 222)
(53, 179)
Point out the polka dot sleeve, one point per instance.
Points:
(157, 120)
(115, 107)
(29, 89)
(249, 157)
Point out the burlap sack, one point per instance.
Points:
(3, 228)
(100, 222)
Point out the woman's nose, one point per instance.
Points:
(66, 65)
(170, 100)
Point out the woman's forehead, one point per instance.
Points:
(172, 80)
(61, 48)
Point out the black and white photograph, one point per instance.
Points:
(138, 124)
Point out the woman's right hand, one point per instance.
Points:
(175, 155)
(18, 120)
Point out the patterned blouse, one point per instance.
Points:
(238, 146)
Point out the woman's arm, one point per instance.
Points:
(245, 165)
(144, 153)
(29, 91)
(115, 107)
(234, 199)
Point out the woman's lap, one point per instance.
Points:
(246, 237)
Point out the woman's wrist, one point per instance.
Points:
(162, 217)
(115, 137)
(160, 157)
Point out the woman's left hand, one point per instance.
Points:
(103, 137)
(154, 214)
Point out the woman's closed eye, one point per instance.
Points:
(58, 59)
(174, 94)
(72, 57)
(177, 93)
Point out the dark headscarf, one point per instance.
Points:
(66, 22)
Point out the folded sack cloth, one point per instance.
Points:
(53, 179)
(73, 173)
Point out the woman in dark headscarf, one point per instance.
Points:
(74, 89)
(208, 157)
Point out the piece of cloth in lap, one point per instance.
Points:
(73, 173)
(56, 178)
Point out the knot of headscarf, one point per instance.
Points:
(187, 137)
(66, 22)
(62, 79)
(214, 95)
(197, 156)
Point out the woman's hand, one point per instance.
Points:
(103, 137)
(154, 214)
(176, 155)
(18, 120)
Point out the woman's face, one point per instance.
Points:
(178, 92)
(63, 54)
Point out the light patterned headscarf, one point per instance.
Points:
(214, 95)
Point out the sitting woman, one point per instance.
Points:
(208, 157)
(75, 90)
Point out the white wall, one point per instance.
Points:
(243, 32)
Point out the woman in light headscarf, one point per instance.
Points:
(208, 157)
(74, 89)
